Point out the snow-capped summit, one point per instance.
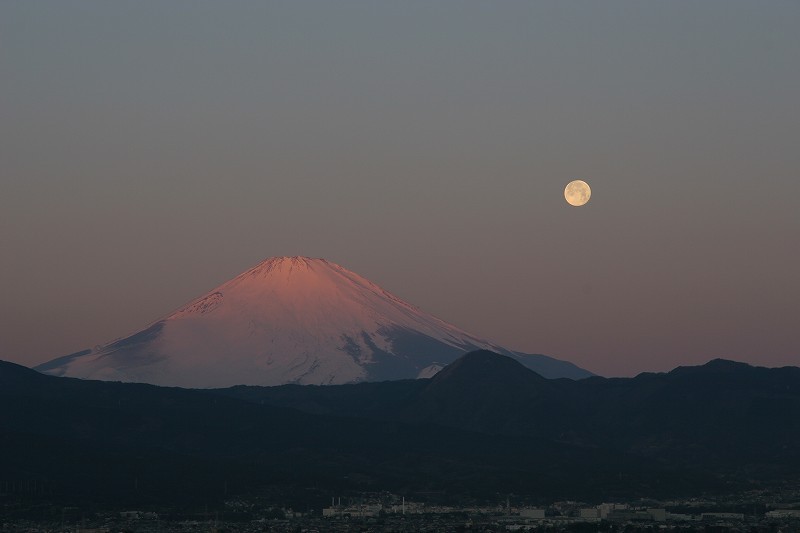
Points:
(288, 320)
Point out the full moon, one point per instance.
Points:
(577, 192)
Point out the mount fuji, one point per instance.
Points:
(289, 320)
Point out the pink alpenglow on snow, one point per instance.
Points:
(288, 320)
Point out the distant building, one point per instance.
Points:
(606, 508)
(679, 517)
(138, 515)
(721, 516)
(784, 513)
(592, 513)
(629, 515)
(531, 513)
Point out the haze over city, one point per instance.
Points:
(152, 151)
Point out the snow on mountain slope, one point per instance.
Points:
(287, 320)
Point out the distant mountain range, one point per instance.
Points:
(721, 411)
(289, 320)
(484, 425)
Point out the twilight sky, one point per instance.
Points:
(150, 150)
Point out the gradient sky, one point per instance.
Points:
(151, 150)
